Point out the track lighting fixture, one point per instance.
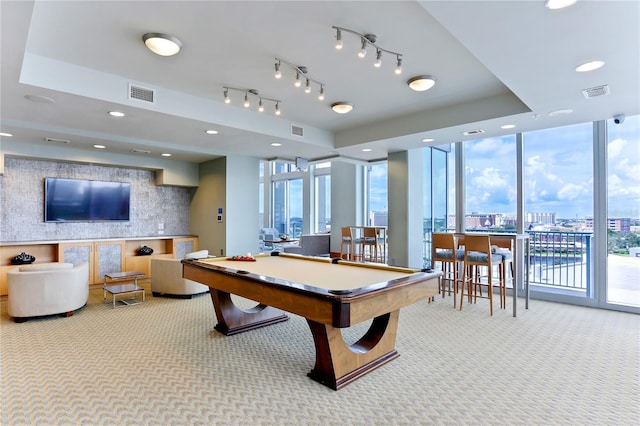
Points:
(301, 73)
(247, 102)
(365, 41)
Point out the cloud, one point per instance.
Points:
(571, 191)
(615, 148)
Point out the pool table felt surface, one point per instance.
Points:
(317, 272)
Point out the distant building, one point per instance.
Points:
(618, 224)
(378, 219)
(482, 220)
(543, 218)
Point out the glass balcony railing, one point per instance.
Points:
(561, 260)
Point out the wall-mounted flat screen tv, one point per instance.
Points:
(79, 200)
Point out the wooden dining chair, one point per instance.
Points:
(445, 252)
(479, 262)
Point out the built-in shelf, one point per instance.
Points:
(103, 255)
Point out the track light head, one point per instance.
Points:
(307, 87)
(398, 70)
(378, 62)
(247, 104)
(363, 50)
(338, 39)
(321, 95)
(298, 82)
(277, 108)
(278, 74)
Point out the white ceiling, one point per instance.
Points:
(495, 63)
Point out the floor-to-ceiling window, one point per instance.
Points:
(490, 180)
(435, 194)
(376, 199)
(623, 212)
(287, 199)
(322, 199)
(559, 199)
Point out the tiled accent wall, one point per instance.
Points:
(22, 203)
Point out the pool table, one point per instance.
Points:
(330, 293)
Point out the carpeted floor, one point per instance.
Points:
(160, 363)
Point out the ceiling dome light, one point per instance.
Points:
(116, 114)
(211, 132)
(507, 126)
(162, 44)
(341, 107)
(166, 154)
(420, 83)
(427, 140)
(8, 135)
(590, 66)
(99, 146)
(558, 4)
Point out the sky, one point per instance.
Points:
(558, 172)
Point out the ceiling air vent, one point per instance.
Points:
(56, 140)
(595, 91)
(141, 93)
(473, 132)
(297, 131)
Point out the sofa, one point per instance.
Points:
(311, 245)
(167, 280)
(42, 289)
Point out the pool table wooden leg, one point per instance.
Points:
(233, 320)
(338, 364)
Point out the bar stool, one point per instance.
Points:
(369, 244)
(347, 244)
(443, 250)
(382, 243)
(478, 258)
(504, 247)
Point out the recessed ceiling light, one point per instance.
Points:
(420, 83)
(560, 112)
(166, 154)
(116, 114)
(99, 146)
(40, 99)
(162, 44)
(366, 150)
(589, 66)
(559, 4)
(276, 144)
(507, 126)
(342, 107)
(211, 132)
(6, 134)
(428, 140)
